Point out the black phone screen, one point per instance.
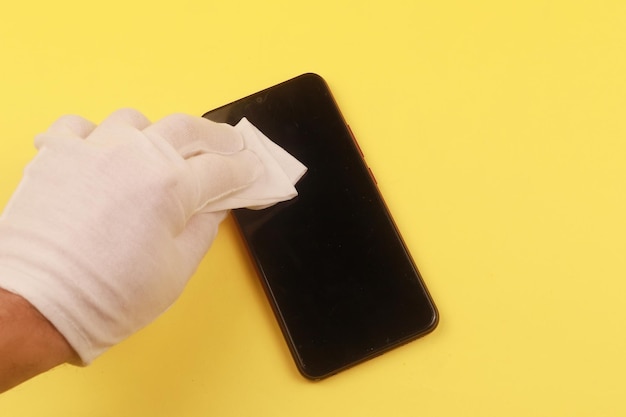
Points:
(340, 280)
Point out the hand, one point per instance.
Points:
(107, 226)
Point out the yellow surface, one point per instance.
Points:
(497, 133)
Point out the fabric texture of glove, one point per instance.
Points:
(110, 221)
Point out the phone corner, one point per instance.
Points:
(434, 319)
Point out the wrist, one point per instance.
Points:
(29, 343)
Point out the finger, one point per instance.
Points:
(120, 126)
(197, 237)
(192, 135)
(72, 126)
(127, 117)
(214, 176)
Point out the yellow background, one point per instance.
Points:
(496, 130)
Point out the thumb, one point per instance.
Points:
(194, 241)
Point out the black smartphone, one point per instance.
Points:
(337, 273)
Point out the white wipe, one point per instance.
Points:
(276, 183)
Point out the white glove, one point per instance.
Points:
(107, 225)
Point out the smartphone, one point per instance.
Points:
(335, 269)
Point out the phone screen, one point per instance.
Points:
(336, 271)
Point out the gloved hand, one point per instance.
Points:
(106, 226)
